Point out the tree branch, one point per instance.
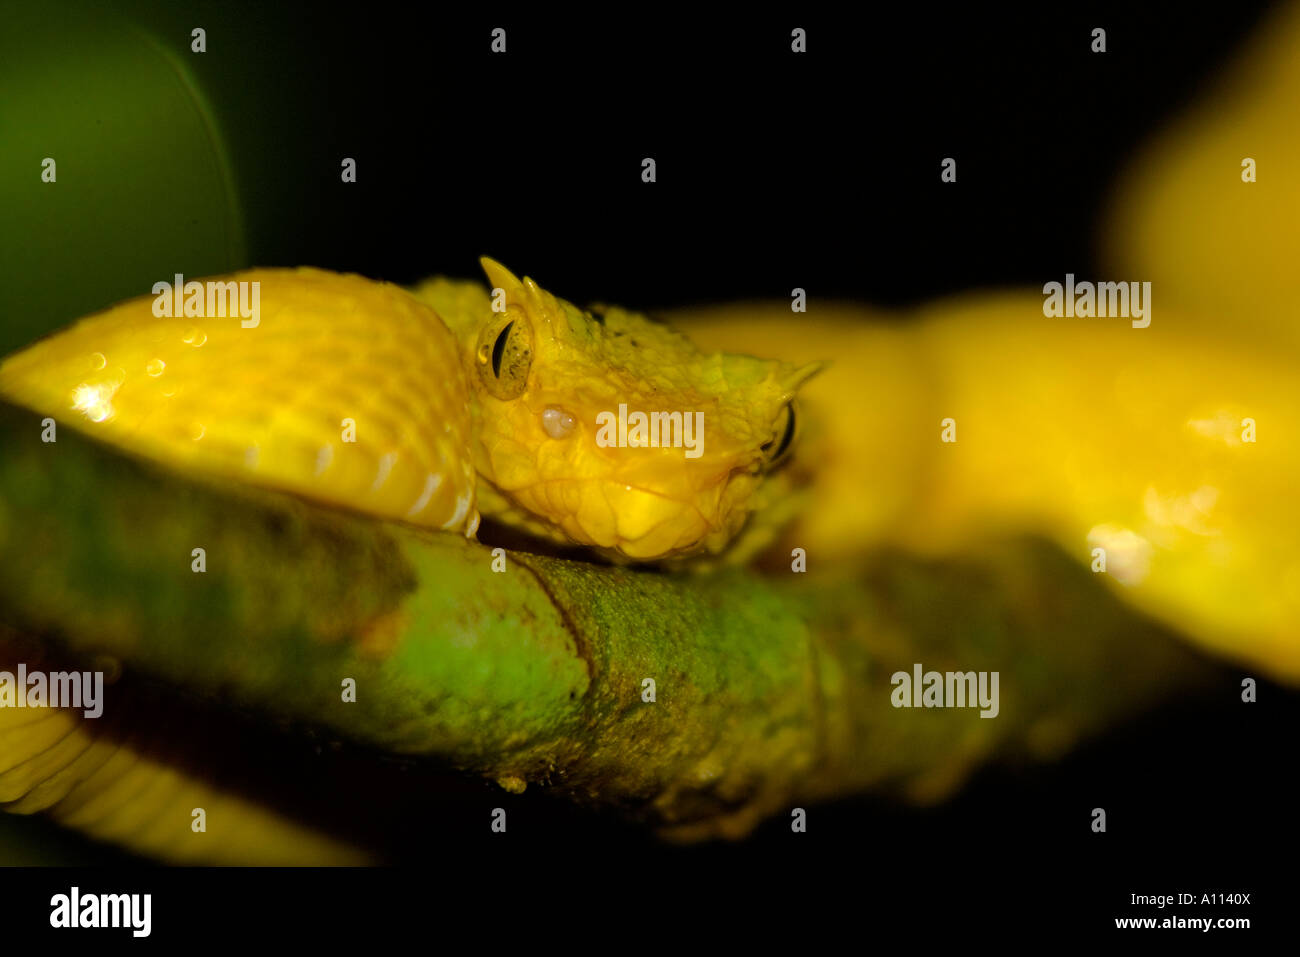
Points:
(770, 692)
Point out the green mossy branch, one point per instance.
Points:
(770, 691)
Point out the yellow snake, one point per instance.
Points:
(432, 407)
(463, 399)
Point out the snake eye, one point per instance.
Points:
(499, 350)
(777, 449)
(505, 354)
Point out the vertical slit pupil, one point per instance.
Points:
(499, 349)
(788, 435)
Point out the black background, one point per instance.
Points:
(774, 170)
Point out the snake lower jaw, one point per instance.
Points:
(624, 523)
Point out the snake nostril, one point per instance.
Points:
(558, 423)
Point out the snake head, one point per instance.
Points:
(606, 428)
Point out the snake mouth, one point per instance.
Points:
(641, 522)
